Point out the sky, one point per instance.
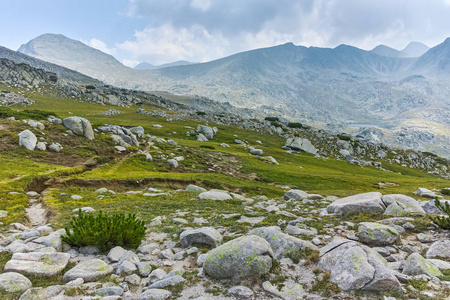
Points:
(164, 31)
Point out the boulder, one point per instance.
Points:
(201, 138)
(38, 263)
(90, 270)
(415, 264)
(408, 204)
(241, 292)
(27, 139)
(295, 195)
(361, 203)
(12, 282)
(214, 195)
(205, 235)
(195, 189)
(116, 253)
(439, 249)
(257, 152)
(79, 126)
(284, 245)
(426, 193)
(173, 163)
(376, 234)
(431, 208)
(155, 294)
(350, 263)
(207, 131)
(246, 256)
(138, 130)
(300, 144)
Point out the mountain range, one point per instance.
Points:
(147, 66)
(394, 95)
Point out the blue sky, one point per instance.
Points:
(162, 31)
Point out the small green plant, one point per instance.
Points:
(272, 119)
(295, 125)
(104, 231)
(446, 191)
(207, 147)
(442, 221)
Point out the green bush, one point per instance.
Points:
(344, 137)
(207, 147)
(442, 221)
(35, 114)
(295, 125)
(445, 191)
(104, 231)
(272, 119)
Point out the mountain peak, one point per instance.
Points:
(415, 49)
(384, 50)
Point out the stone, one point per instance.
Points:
(257, 152)
(296, 230)
(38, 263)
(300, 144)
(116, 253)
(439, 249)
(108, 291)
(170, 281)
(157, 275)
(246, 256)
(195, 189)
(55, 147)
(376, 234)
(126, 267)
(440, 264)
(166, 254)
(89, 250)
(284, 245)
(295, 195)
(207, 131)
(214, 195)
(155, 294)
(205, 235)
(241, 292)
(41, 146)
(173, 163)
(426, 193)
(13, 282)
(133, 279)
(79, 126)
(138, 130)
(27, 139)
(148, 248)
(408, 204)
(144, 269)
(415, 264)
(425, 238)
(431, 208)
(51, 240)
(90, 270)
(201, 138)
(362, 203)
(251, 220)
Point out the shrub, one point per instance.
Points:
(105, 231)
(445, 191)
(295, 125)
(272, 119)
(344, 137)
(207, 147)
(35, 114)
(442, 221)
(201, 113)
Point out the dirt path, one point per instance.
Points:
(36, 214)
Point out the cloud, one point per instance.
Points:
(202, 30)
(99, 45)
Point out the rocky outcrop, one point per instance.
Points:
(79, 126)
(301, 144)
(361, 203)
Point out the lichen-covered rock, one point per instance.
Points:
(155, 294)
(299, 143)
(284, 245)
(415, 264)
(13, 282)
(205, 235)
(79, 126)
(90, 270)
(295, 195)
(195, 188)
(431, 208)
(38, 263)
(426, 193)
(361, 203)
(439, 249)
(376, 234)
(246, 256)
(408, 204)
(27, 139)
(241, 292)
(116, 253)
(214, 195)
(207, 131)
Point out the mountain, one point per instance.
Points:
(387, 51)
(61, 72)
(415, 49)
(345, 88)
(147, 66)
(63, 51)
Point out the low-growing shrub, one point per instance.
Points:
(35, 114)
(207, 147)
(104, 231)
(445, 191)
(295, 125)
(442, 221)
(272, 119)
(344, 137)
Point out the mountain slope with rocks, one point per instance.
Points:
(345, 88)
(232, 207)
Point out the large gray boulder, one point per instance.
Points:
(195, 189)
(431, 208)
(38, 263)
(27, 139)
(295, 195)
(284, 245)
(207, 131)
(155, 294)
(439, 249)
(408, 205)
(246, 256)
(79, 126)
(354, 266)
(89, 270)
(415, 264)
(426, 193)
(205, 235)
(376, 234)
(214, 195)
(12, 282)
(361, 203)
(298, 144)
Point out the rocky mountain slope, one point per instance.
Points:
(345, 87)
(147, 66)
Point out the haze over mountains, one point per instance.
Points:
(345, 87)
(147, 66)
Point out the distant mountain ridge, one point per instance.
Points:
(318, 86)
(413, 49)
(147, 66)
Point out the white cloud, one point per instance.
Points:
(202, 5)
(100, 45)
